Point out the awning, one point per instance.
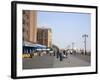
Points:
(39, 47)
(26, 43)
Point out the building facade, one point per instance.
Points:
(29, 26)
(44, 36)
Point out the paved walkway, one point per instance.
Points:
(71, 61)
(47, 61)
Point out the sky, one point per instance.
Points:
(67, 28)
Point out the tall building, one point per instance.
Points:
(29, 25)
(44, 36)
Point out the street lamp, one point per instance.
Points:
(73, 46)
(85, 36)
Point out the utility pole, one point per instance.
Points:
(85, 36)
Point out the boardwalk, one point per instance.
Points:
(48, 61)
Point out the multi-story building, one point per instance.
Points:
(44, 36)
(29, 25)
(33, 34)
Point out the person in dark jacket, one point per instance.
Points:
(57, 54)
(61, 55)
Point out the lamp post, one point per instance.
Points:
(85, 36)
(73, 47)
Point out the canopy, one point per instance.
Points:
(26, 43)
(35, 46)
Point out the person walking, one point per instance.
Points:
(57, 54)
(54, 53)
(66, 53)
(61, 55)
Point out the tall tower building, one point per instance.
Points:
(44, 36)
(29, 25)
